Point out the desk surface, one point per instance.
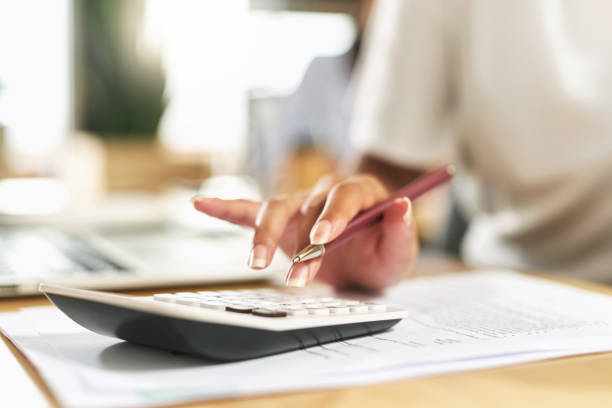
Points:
(574, 381)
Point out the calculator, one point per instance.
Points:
(225, 325)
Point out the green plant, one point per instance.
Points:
(121, 90)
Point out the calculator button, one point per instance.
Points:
(186, 294)
(253, 305)
(249, 301)
(208, 297)
(296, 312)
(359, 309)
(164, 297)
(227, 292)
(213, 305)
(264, 305)
(375, 307)
(188, 301)
(207, 293)
(316, 305)
(269, 313)
(237, 302)
(265, 291)
(350, 302)
(269, 299)
(326, 299)
(340, 310)
(238, 308)
(293, 302)
(231, 299)
(318, 311)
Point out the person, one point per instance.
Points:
(518, 94)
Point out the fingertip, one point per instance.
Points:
(297, 276)
(320, 232)
(201, 203)
(302, 273)
(399, 215)
(196, 198)
(325, 231)
(313, 268)
(407, 216)
(258, 258)
(397, 209)
(398, 242)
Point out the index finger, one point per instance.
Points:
(240, 212)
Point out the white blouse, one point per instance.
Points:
(519, 93)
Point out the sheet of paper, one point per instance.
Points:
(457, 322)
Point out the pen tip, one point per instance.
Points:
(451, 169)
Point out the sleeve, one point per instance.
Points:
(402, 110)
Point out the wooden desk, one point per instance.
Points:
(584, 381)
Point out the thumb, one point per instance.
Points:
(398, 242)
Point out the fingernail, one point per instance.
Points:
(197, 197)
(321, 232)
(407, 217)
(298, 275)
(258, 257)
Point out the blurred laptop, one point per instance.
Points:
(132, 243)
(32, 255)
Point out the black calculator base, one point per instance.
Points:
(209, 340)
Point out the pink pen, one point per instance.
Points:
(372, 215)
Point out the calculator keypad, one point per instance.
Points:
(270, 303)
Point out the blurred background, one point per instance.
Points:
(114, 111)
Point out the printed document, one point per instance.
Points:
(460, 321)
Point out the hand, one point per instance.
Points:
(375, 258)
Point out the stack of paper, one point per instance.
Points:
(458, 322)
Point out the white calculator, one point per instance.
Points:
(226, 325)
